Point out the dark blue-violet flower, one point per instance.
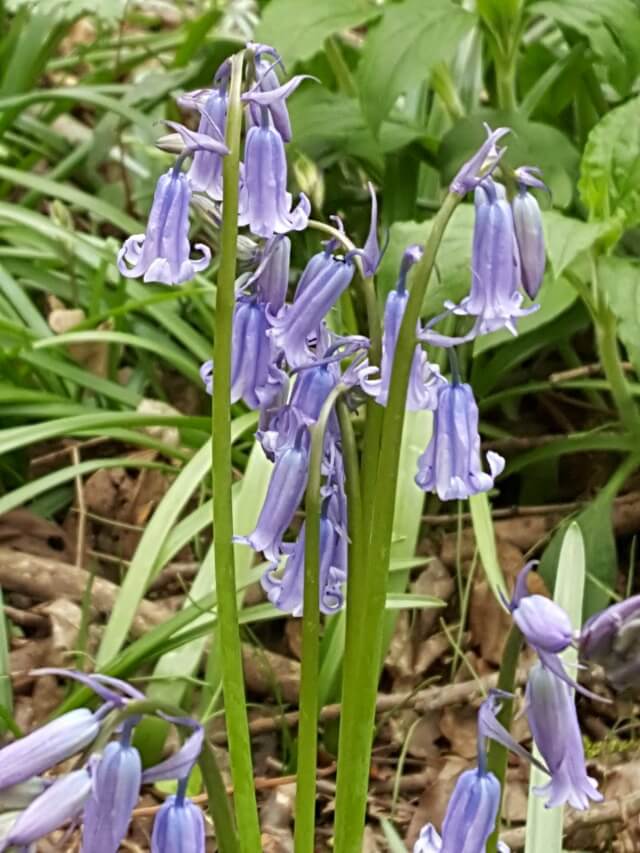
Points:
(481, 164)
(296, 323)
(255, 377)
(425, 378)
(527, 221)
(265, 202)
(162, 254)
(116, 778)
(61, 738)
(278, 429)
(451, 463)
(553, 721)
(271, 278)
(61, 802)
(286, 487)
(285, 590)
(544, 624)
(179, 825)
(205, 172)
(611, 638)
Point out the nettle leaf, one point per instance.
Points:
(609, 182)
(452, 277)
(401, 50)
(619, 279)
(566, 238)
(612, 28)
(298, 28)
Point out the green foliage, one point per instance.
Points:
(610, 170)
(619, 279)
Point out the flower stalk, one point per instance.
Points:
(361, 665)
(227, 630)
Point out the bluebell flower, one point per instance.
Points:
(451, 463)
(255, 376)
(268, 94)
(544, 624)
(529, 232)
(611, 638)
(265, 60)
(178, 826)
(314, 298)
(61, 802)
(551, 712)
(278, 429)
(470, 817)
(180, 764)
(116, 778)
(424, 379)
(285, 590)
(271, 278)
(371, 254)
(481, 164)
(61, 738)
(284, 493)
(162, 254)
(205, 172)
(265, 202)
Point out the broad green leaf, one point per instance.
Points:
(486, 542)
(452, 277)
(401, 50)
(619, 279)
(566, 238)
(298, 28)
(544, 826)
(610, 170)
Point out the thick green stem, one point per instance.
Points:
(227, 633)
(498, 754)
(361, 670)
(506, 84)
(309, 705)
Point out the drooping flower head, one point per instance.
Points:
(611, 638)
(527, 221)
(162, 254)
(266, 59)
(285, 590)
(451, 463)
(205, 172)
(271, 277)
(179, 825)
(544, 624)
(553, 721)
(425, 378)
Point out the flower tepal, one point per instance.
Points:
(162, 254)
(179, 825)
(553, 721)
(451, 463)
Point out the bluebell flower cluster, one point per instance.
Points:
(101, 794)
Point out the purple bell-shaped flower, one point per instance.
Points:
(179, 825)
(271, 278)
(544, 624)
(205, 172)
(527, 221)
(162, 254)
(553, 721)
(451, 463)
(611, 638)
(425, 378)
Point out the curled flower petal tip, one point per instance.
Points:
(481, 164)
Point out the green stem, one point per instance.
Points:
(309, 705)
(362, 661)
(498, 754)
(606, 335)
(506, 84)
(341, 71)
(227, 634)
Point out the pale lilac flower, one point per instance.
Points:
(611, 638)
(286, 487)
(429, 840)
(544, 624)
(205, 172)
(61, 738)
(490, 728)
(179, 825)
(162, 253)
(180, 764)
(116, 778)
(527, 221)
(266, 95)
(425, 378)
(314, 298)
(451, 463)
(61, 802)
(481, 164)
(285, 590)
(371, 254)
(271, 278)
(553, 721)
(265, 203)
(471, 813)
(278, 429)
